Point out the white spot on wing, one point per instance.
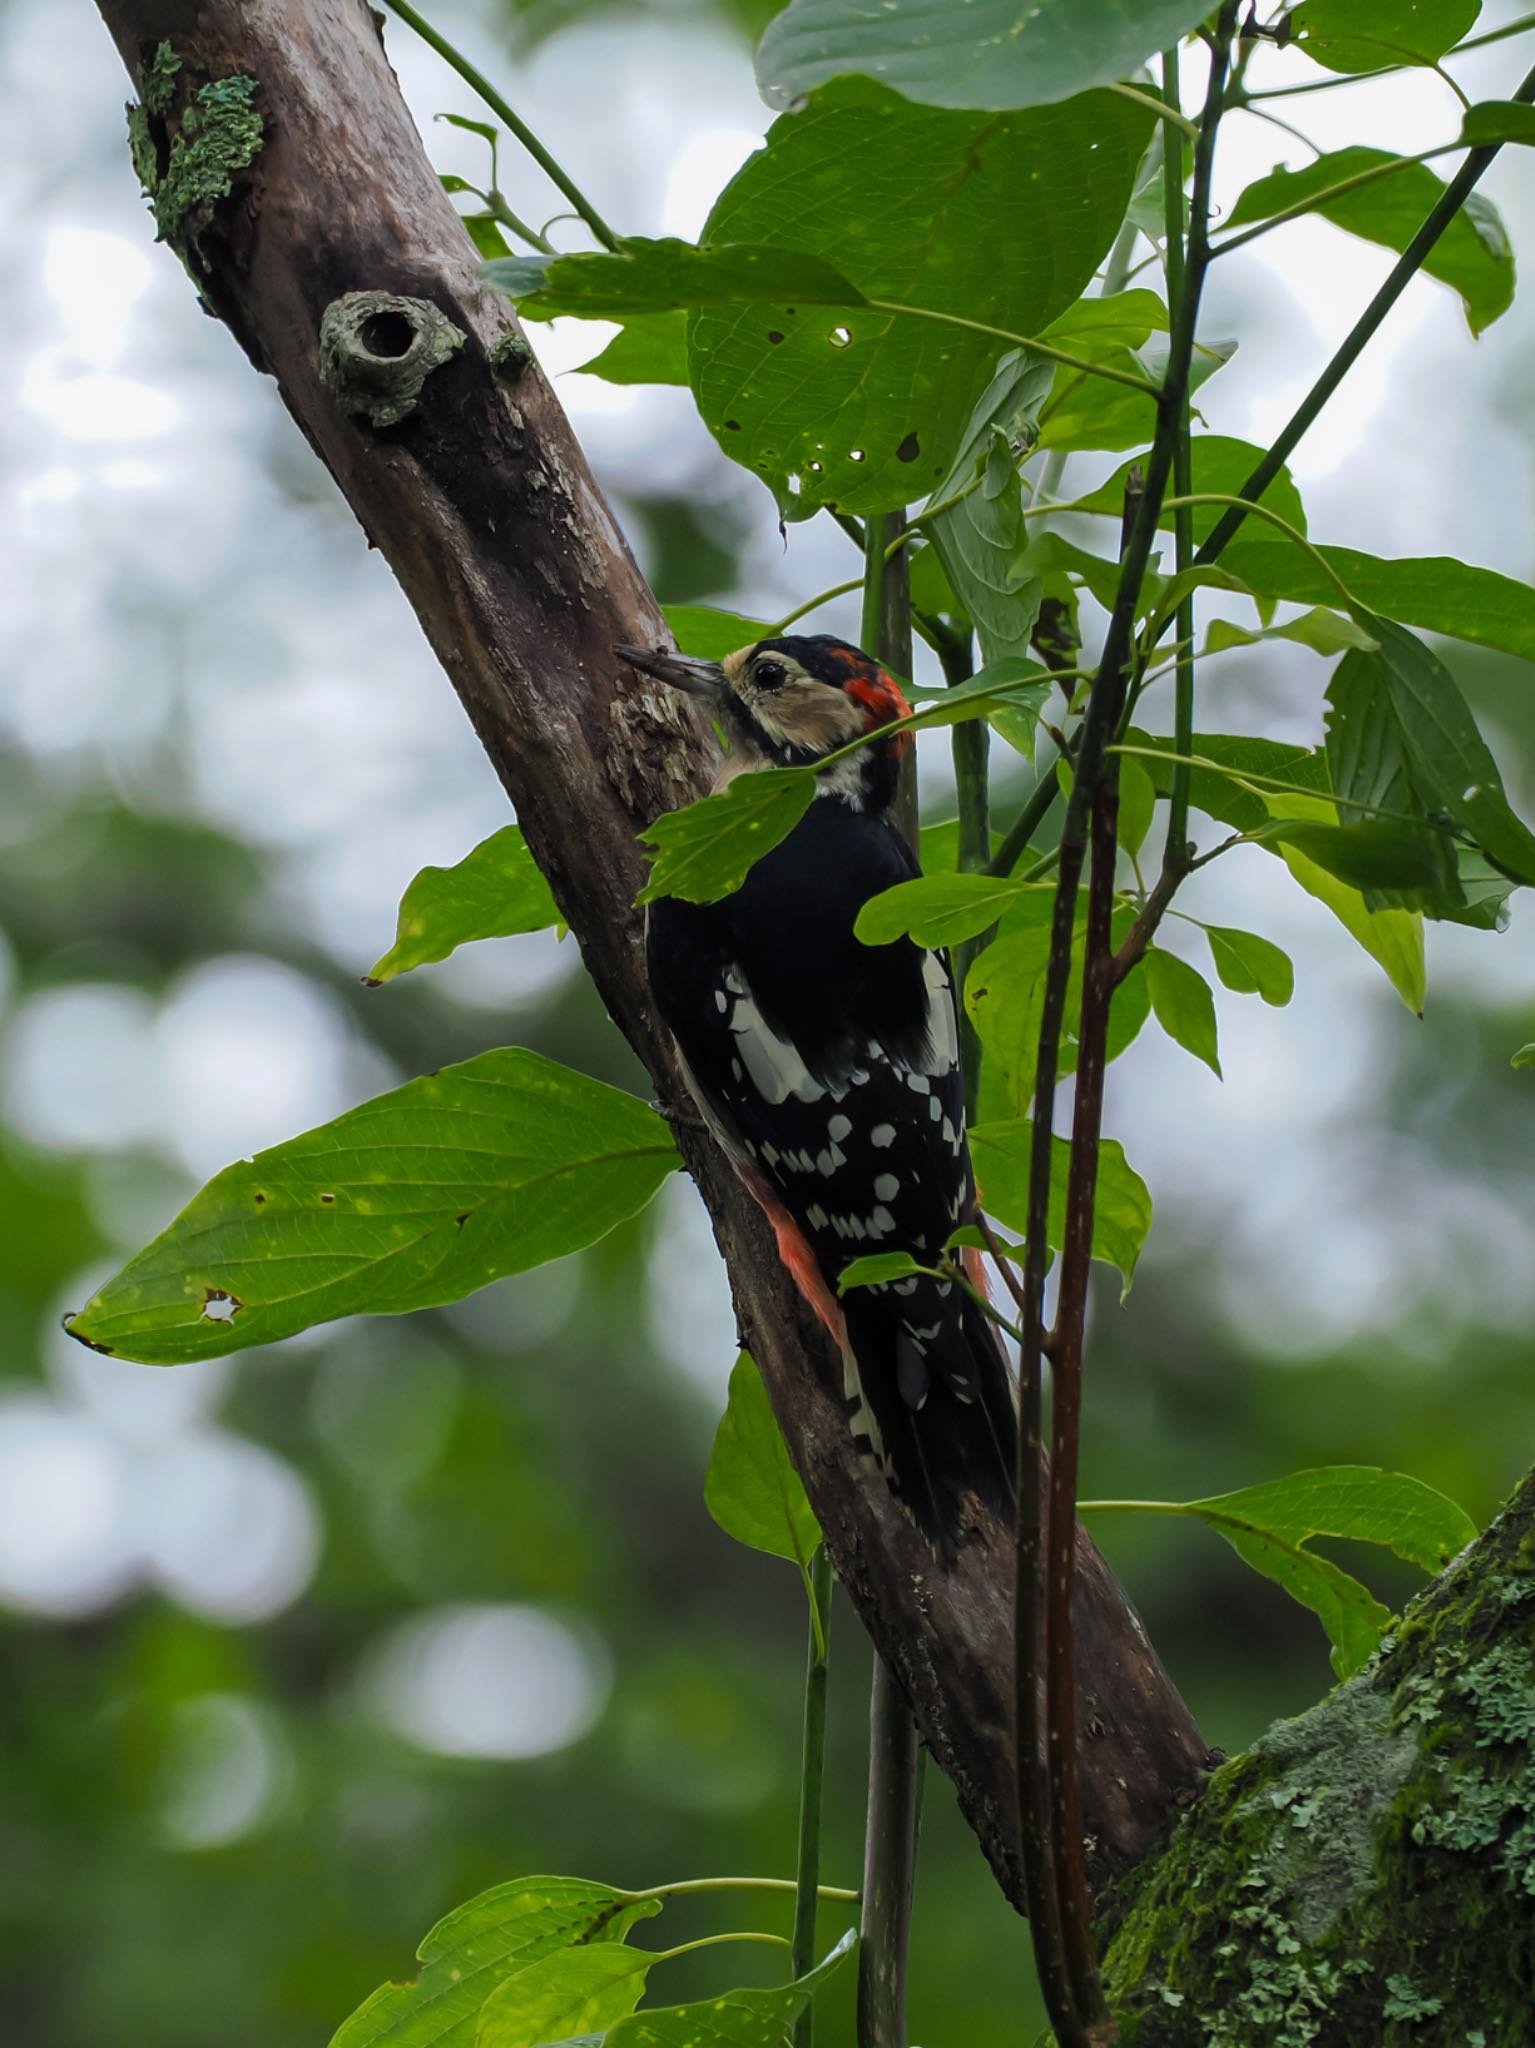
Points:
(942, 1032)
(887, 1187)
(882, 1137)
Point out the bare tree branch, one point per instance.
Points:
(478, 495)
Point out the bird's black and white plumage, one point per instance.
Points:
(829, 1070)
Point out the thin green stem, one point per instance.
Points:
(496, 201)
(1036, 808)
(812, 1772)
(1183, 484)
(684, 1885)
(1364, 328)
(1164, 109)
(1370, 176)
(1044, 348)
(499, 106)
(686, 1948)
(1246, 779)
(813, 604)
(1350, 603)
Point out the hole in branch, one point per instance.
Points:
(386, 334)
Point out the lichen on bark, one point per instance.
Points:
(1365, 1874)
(220, 135)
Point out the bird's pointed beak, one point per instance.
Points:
(705, 679)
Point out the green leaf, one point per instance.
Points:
(484, 128)
(1137, 804)
(1004, 992)
(1270, 1525)
(989, 53)
(734, 2019)
(1495, 121)
(705, 850)
(1088, 412)
(701, 630)
(752, 1490)
(415, 1199)
(1122, 1212)
(575, 1990)
(492, 893)
(1472, 256)
(1322, 630)
(997, 220)
(1433, 592)
(1399, 729)
(1394, 938)
(1182, 1004)
(642, 276)
(1377, 856)
(940, 910)
(1128, 317)
(1219, 464)
(1371, 35)
(485, 232)
(878, 1269)
(650, 348)
(1525, 1056)
(1017, 721)
(1251, 966)
(477, 1947)
(978, 539)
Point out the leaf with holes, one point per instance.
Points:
(988, 53)
(978, 538)
(998, 221)
(1375, 35)
(1182, 1004)
(494, 892)
(415, 1199)
(1472, 256)
(478, 1947)
(1122, 1211)
(733, 2019)
(706, 850)
(1251, 966)
(574, 1990)
(752, 1490)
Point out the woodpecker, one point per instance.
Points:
(829, 1070)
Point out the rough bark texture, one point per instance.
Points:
(326, 244)
(1365, 1876)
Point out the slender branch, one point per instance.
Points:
(812, 1771)
(1098, 980)
(1099, 726)
(686, 1948)
(496, 201)
(1164, 109)
(684, 1885)
(889, 1864)
(813, 604)
(500, 107)
(1183, 484)
(1406, 267)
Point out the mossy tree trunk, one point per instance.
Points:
(1366, 1873)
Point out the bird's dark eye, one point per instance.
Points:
(770, 675)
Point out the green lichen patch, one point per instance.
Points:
(219, 137)
(158, 84)
(1362, 1877)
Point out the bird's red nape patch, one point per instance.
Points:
(882, 701)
